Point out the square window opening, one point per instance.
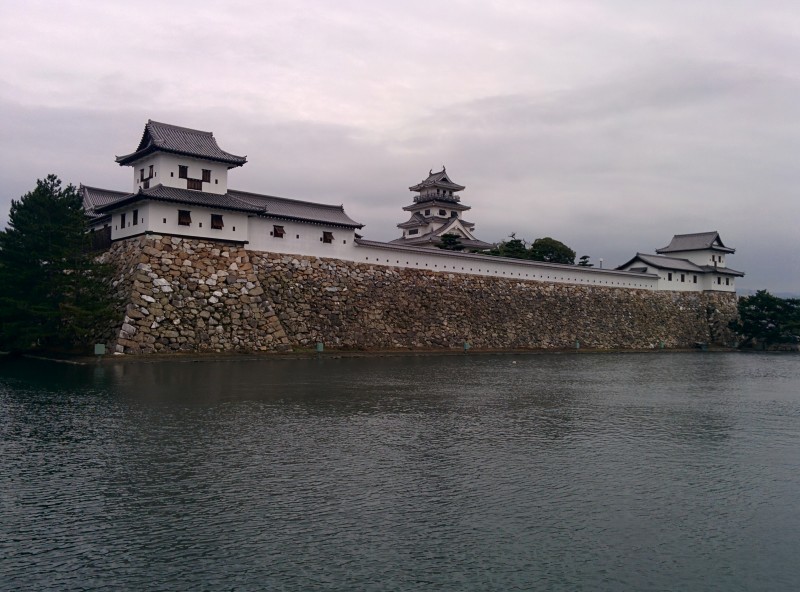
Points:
(216, 221)
(184, 218)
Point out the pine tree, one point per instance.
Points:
(52, 293)
(768, 319)
(513, 248)
(451, 242)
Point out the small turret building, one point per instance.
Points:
(690, 262)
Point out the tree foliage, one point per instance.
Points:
(451, 242)
(542, 249)
(52, 293)
(514, 248)
(584, 261)
(552, 251)
(768, 319)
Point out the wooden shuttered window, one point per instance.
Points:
(327, 237)
(183, 171)
(206, 176)
(195, 184)
(278, 231)
(216, 221)
(184, 218)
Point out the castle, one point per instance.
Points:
(181, 189)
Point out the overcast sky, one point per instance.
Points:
(609, 125)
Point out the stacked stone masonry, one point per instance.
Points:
(198, 296)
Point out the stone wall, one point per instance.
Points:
(190, 295)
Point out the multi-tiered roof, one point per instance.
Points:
(435, 212)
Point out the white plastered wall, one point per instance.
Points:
(234, 223)
(162, 218)
(300, 238)
(130, 229)
(344, 247)
(165, 172)
(449, 262)
(701, 257)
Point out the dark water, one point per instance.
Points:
(537, 472)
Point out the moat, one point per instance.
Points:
(660, 471)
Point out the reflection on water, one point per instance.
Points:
(485, 472)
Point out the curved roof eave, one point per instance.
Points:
(128, 159)
(266, 214)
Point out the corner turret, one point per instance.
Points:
(180, 157)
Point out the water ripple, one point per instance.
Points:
(570, 472)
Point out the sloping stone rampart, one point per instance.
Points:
(190, 295)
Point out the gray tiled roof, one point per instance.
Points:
(163, 137)
(433, 237)
(722, 270)
(437, 201)
(695, 242)
(94, 197)
(676, 264)
(183, 196)
(415, 220)
(662, 262)
(293, 209)
(440, 179)
(419, 220)
(241, 201)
